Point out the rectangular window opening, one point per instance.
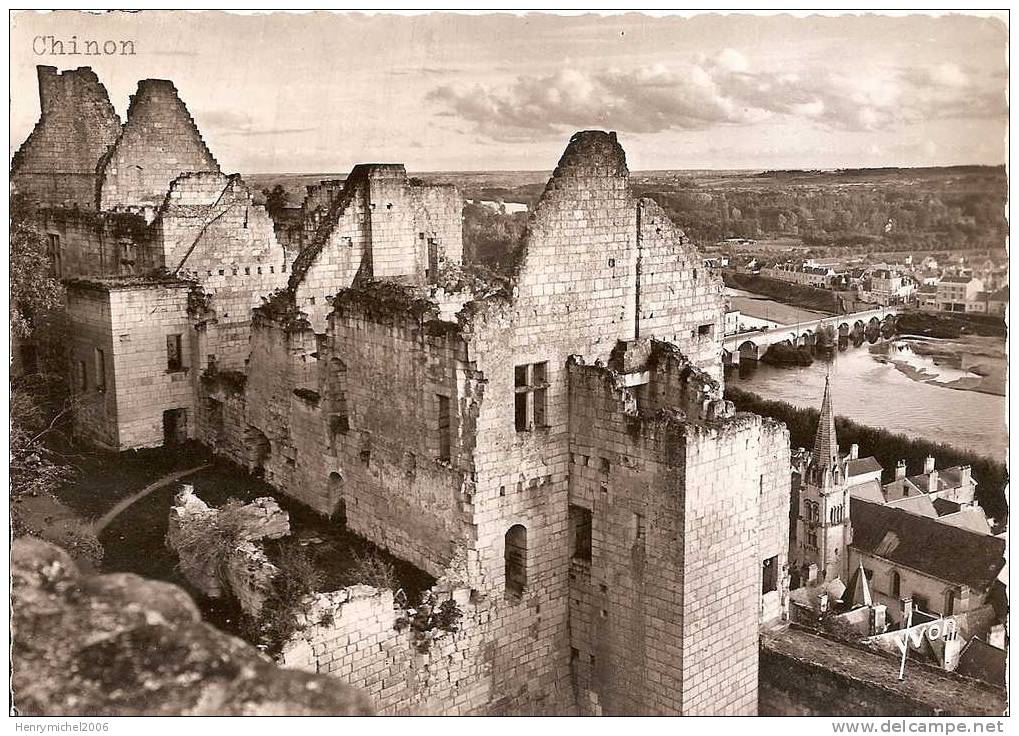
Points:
(174, 354)
(580, 520)
(100, 369)
(769, 577)
(445, 444)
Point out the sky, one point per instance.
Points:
(319, 92)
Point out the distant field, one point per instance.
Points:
(848, 211)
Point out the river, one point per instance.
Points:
(869, 388)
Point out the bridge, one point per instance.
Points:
(753, 344)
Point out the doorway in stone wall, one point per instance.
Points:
(175, 427)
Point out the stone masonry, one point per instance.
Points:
(58, 162)
(557, 445)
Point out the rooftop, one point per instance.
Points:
(862, 466)
(925, 544)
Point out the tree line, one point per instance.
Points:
(887, 448)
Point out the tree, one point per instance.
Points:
(40, 405)
(34, 291)
(275, 200)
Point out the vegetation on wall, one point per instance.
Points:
(888, 448)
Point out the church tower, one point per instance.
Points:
(823, 515)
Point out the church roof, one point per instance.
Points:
(826, 446)
(927, 545)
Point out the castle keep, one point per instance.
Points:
(554, 449)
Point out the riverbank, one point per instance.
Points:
(970, 363)
(876, 392)
(796, 295)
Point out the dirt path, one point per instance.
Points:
(110, 515)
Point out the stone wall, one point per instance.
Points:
(666, 601)
(99, 244)
(378, 225)
(129, 319)
(212, 233)
(95, 415)
(678, 298)
(56, 165)
(803, 674)
(354, 635)
(158, 143)
(352, 416)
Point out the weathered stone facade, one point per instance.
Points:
(557, 446)
(416, 424)
(57, 165)
(158, 143)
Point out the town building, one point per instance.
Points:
(876, 556)
(887, 287)
(554, 449)
(959, 294)
(808, 273)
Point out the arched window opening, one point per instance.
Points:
(949, 602)
(895, 583)
(516, 560)
(336, 500)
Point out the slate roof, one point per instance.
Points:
(869, 491)
(944, 507)
(956, 279)
(924, 544)
(862, 465)
(981, 661)
(917, 504)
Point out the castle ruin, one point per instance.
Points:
(555, 450)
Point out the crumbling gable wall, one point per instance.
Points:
(377, 226)
(158, 143)
(678, 299)
(574, 293)
(352, 420)
(211, 232)
(666, 544)
(56, 165)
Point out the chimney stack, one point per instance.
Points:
(877, 622)
(928, 464)
(900, 470)
(854, 451)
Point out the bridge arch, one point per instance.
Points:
(749, 350)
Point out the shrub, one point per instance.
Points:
(207, 542)
(371, 570)
(298, 577)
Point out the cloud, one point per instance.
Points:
(725, 90)
(234, 122)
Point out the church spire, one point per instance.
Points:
(826, 446)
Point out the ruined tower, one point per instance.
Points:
(158, 143)
(56, 165)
